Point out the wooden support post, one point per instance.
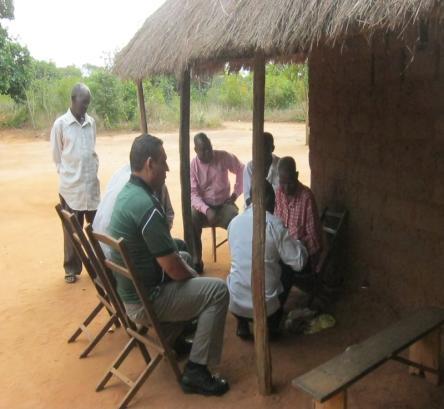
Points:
(262, 348)
(143, 122)
(184, 150)
(426, 352)
(338, 401)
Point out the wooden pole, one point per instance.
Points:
(184, 150)
(143, 122)
(262, 348)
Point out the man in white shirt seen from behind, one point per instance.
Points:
(271, 168)
(105, 210)
(73, 142)
(279, 246)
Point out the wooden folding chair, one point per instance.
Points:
(86, 254)
(215, 244)
(139, 336)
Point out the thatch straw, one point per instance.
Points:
(185, 33)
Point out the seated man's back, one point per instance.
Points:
(279, 246)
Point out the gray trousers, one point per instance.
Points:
(71, 262)
(203, 298)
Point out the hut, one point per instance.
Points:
(376, 116)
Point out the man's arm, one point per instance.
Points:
(175, 267)
(56, 139)
(248, 172)
(235, 166)
(196, 200)
(313, 231)
(292, 252)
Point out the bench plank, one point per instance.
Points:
(358, 360)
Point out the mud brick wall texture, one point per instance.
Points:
(377, 148)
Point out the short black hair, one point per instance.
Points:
(269, 141)
(78, 88)
(144, 146)
(201, 137)
(287, 163)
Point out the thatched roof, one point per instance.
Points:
(185, 33)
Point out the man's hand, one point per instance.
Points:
(231, 199)
(211, 216)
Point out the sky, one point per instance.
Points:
(77, 32)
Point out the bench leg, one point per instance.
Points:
(213, 241)
(338, 401)
(426, 352)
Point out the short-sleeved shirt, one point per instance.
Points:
(139, 219)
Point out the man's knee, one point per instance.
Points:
(220, 289)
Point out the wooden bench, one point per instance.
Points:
(420, 331)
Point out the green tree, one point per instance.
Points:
(15, 67)
(6, 9)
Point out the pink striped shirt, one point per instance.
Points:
(210, 185)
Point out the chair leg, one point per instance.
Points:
(117, 362)
(213, 238)
(82, 327)
(98, 337)
(338, 401)
(426, 352)
(139, 382)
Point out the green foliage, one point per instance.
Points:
(215, 99)
(15, 67)
(6, 9)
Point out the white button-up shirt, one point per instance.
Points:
(73, 150)
(272, 177)
(278, 246)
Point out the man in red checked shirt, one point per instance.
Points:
(296, 207)
(213, 203)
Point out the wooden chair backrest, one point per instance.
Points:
(72, 226)
(128, 271)
(106, 276)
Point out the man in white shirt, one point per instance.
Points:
(271, 168)
(279, 247)
(73, 140)
(105, 210)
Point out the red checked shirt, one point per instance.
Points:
(300, 216)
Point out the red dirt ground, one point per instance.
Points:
(38, 311)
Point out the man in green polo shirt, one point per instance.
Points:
(177, 292)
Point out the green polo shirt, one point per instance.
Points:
(140, 220)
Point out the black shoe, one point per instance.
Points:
(243, 330)
(198, 267)
(199, 380)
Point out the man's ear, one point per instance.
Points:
(149, 163)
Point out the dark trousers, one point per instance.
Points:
(273, 320)
(72, 263)
(224, 214)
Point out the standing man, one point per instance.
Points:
(212, 202)
(271, 168)
(296, 207)
(73, 141)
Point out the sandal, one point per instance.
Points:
(70, 279)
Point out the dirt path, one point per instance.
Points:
(38, 311)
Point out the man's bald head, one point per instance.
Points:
(79, 89)
(288, 175)
(203, 147)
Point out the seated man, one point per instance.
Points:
(296, 207)
(271, 168)
(211, 201)
(106, 205)
(176, 292)
(278, 246)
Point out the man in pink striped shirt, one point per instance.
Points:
(213, 203)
